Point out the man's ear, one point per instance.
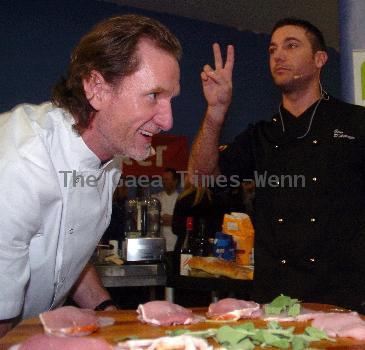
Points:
(321, 58)
(96, 89)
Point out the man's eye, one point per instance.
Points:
(153, 95)
(292, 45)
(271, 50)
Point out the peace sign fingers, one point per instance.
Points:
(229, 61)
(217, 82)
(227, 68)
(218, 61)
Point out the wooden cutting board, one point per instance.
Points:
(127, 324)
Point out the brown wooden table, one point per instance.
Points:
(127, 325)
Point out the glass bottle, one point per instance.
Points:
(202, 246)
(132, 224)
(142, 215)
(186, 249)
(153, 214)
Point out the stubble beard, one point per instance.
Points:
(293, 85)
(138, 156)
(285, 86)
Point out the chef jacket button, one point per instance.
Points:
(274, 120)
(312, 260)
(280, 220)
(314, 179)
(313, 220)
(71, 231)
(315, 141)
(283, 261)
(276, 146)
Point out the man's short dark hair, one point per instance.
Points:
(174, 173)
(314, 34)
(111, 49)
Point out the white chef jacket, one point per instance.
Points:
(50, 221)
(167, 207)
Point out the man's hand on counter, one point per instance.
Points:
(89, 292)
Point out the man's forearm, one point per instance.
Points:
(88, 291)
(204, 153)
(217, 89)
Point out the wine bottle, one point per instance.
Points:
(186, 250)
(202, 247)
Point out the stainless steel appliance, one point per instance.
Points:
(143, 249)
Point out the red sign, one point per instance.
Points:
(171, 152)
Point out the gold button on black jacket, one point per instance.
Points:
(310, 202)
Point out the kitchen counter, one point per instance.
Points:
(127, 324)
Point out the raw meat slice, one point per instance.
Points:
(164, 313)
(356, 331)
(341, 324)
(179, 342)
(233, 309)
(47, 342)
(305, 315)
(72, 321)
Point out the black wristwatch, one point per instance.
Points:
(104, 304)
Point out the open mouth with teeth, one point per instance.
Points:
(145, 133)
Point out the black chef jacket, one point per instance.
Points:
(310, 202)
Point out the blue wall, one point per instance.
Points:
(36, 38)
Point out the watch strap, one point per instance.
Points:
(104, 304)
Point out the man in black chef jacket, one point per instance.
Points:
(308, 164)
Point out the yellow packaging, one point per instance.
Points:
(240, 227)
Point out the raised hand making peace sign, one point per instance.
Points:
(217, 83)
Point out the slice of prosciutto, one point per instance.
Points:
(50, 342)
(233, 309)
(341, 324)
(72, 321)
(164, 313)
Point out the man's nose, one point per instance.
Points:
(164, 117)
(278, 55)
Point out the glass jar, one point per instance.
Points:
(143, 216)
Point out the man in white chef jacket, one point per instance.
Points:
(59, 164)
(167, 198)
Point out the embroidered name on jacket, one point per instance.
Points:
(341, 135)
